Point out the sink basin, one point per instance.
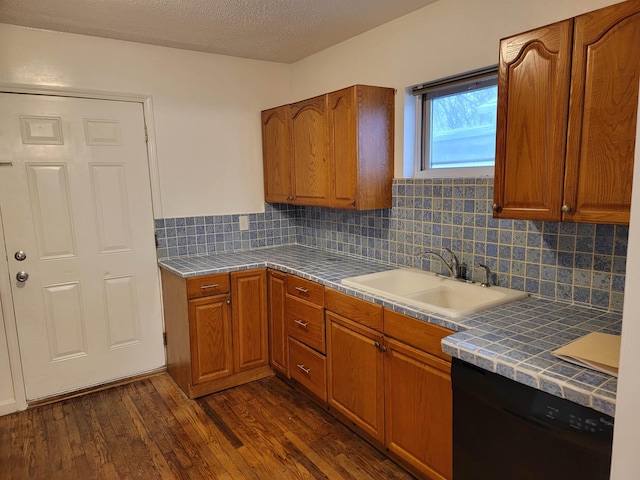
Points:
(426, 290)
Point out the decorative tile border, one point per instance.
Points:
(205, 235)
(579, 263)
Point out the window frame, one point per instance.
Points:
(471, 80)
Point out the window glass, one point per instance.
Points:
(463, 129)
(457, 125)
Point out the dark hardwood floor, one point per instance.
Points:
(150, 430)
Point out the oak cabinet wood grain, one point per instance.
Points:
(249, 313)
(340, 149)
(211, 340)
(309, 151)
(216, 341)
(566, 121)
(355, 374)
(361, 147)
(418, 409)
(278, 343)
(276, 152)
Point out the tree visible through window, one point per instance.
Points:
(458, 122)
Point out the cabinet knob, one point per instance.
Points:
(565, 209)
(353, 202)
(382, 348)
(495, 207)
(228, 302)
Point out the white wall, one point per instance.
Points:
(207, 108)
(442, 39)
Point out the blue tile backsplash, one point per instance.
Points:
(581, 263)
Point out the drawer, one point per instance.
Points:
(309, 368)
(305, 322)
(417, 333)
(207, 285)
(306, 289)
(367, 313)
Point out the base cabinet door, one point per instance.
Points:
(211, 338)
(355, 383)
(277, 294)
(249, 307)
(418, 410)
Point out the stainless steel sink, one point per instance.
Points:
(450, 297)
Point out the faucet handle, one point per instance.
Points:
(455, 263)
(487, 275)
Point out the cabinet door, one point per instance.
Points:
(355, 374)
(602, 114)
(533, 94)
(210, 338)
(419, 418)
(277, 291)
(309, 151)
(250, 335)
(343, 146)
(276, 155)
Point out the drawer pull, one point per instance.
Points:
(301, 323)
(204, 287)
(303, 290)
(304, 369)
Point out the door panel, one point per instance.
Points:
(533, 90)
(77, 201)
(603, 114)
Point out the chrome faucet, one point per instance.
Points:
(453, 268)
(486, 282)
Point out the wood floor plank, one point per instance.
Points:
(149, 429)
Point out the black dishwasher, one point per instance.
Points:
(504, 430)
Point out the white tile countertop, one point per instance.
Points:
(513, 340)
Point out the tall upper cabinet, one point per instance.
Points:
(567, 109)
(334, 150)
(276, 153)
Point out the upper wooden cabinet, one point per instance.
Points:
(361, 147)
(309, 158)
(340, 150)
(276, 153)
(566, 124)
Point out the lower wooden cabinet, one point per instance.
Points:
(356, 374)
(278, 345)
(309, 368)
(394, 385)
(383, 372)
(418, 409)
(210, 338)
(216, 328)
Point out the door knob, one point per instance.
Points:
(20, 255)
(22, 276)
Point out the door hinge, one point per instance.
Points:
(164, 338)
(146, 134)
(155, 236)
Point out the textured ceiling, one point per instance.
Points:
(274, 30)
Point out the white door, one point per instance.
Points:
(77, 202)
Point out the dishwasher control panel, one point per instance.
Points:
(561, 413)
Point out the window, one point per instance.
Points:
(457, 125)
